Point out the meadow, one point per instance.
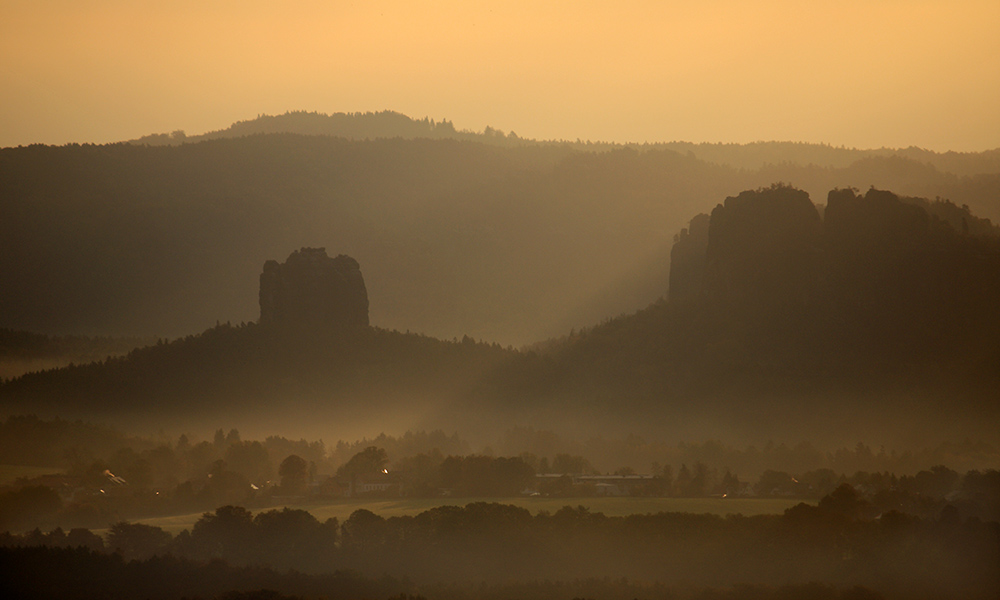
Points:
(611, 506)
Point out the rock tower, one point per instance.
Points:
(311, 291)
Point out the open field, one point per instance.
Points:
(342, 509)
(11, 473)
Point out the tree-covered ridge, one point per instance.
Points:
(757, 155)
(355, 126)
(23, 351)
(754, 155)
(27, 345)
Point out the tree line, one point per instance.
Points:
(231, 470)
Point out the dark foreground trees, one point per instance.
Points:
(71, 574)
(78, 573)
(450, 551)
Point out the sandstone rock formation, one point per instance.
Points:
(312, 292)
(687, 262)
(764, 250)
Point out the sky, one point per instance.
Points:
(855, 73)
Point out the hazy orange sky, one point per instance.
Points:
(860, 73)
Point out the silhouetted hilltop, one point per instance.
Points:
(753, 156)
(355, 126)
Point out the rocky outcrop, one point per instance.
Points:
(880, 280)
(312, 292)
(764, 250)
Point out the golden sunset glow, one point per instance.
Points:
(855, 73)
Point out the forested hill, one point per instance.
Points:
(260, 379)
(506, 244)
(354, 126)
(755, 155)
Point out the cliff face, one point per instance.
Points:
(687, 262)
(879, 278)
(763, 250)
(311, 291)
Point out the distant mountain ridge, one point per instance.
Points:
(754, 155)
(355, 126)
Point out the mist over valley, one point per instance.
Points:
(231, 346)
(642, 300)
